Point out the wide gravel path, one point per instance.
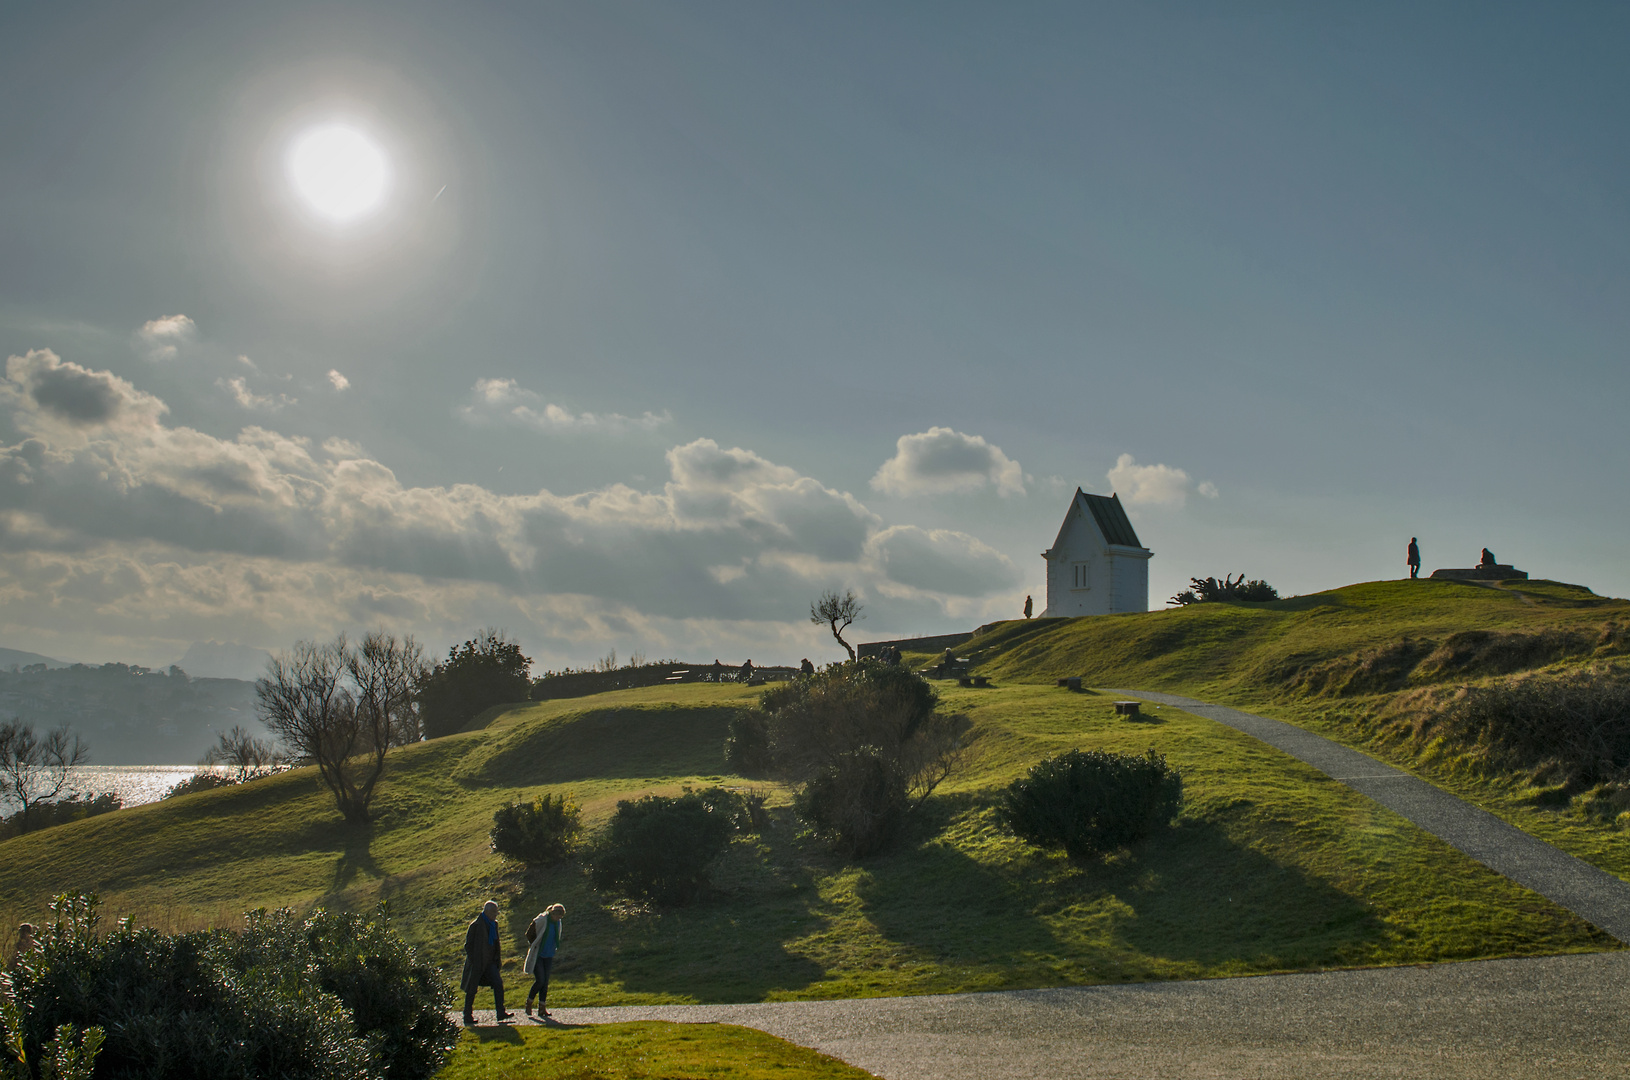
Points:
(1594, 895)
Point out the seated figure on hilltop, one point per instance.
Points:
(1488, 558)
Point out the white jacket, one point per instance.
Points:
(540, 925)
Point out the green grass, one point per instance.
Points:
(642, 1051)
(1271, 866)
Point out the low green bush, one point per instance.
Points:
(658, 848)
(747, 744)
(326, 997)
(1091, 802)
(539, 833)
(857, 803)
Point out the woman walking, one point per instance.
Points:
(544, 934)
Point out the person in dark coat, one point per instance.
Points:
(1028, 607)
(1488, 558)
(1414, 559)
(805, 667)
(481, 956)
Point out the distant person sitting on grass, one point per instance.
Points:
(805, 667)
(1414, 559)
(544, 934)
(26, 943)
(481, 955)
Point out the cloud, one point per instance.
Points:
(940, 461)
(338, 381)
(941, 560)
(505, 402)
(239, 389)
(162, 337)
(1155, 485)
(113, 515)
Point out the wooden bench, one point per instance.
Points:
(1127, 708)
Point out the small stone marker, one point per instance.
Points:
(1073, 682)
(1127, 708)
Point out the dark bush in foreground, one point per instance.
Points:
(1209, 589)
(858, 802)
(538, 833)
(1091, 802)
(329, 997)
(658, 848)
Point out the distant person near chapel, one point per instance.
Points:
(1414, 559)
(1029, 607)
(481, 955)
(544, 934)
(805, 667)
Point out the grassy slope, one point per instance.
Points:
(1242, 654)
(1271, 867)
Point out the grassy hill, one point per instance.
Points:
(1271, 867)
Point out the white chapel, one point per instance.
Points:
(1096, 566)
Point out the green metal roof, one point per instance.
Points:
(1111, 518)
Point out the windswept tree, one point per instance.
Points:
(487, 670)
(243, 753)
(33, 769)
(342, 706)
(838, 613)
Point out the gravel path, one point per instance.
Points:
(1594, 895)
(1554, 1017)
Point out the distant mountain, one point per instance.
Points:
(224, 660)
(10, 658)
(130, 716)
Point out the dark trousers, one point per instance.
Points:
(490, 978)
(540, 981)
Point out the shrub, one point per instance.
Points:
(487, 670)
(74, 808)
(867, 742)
(327, 996)
(658, 848)
(538, 833)
(747, 744)
(858, 802)
(1203, 590)
(1090, 802)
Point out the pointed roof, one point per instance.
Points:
(1111, 518)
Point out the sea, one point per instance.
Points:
(134, 784)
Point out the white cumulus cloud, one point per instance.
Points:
(941, 460)
(338, 381)
(506, 402)
(238, 387)
(163, 337)
(1155, 485)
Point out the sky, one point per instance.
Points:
(668, 317)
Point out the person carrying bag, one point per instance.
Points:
(544, 937)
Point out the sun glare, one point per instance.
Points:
(338, 171)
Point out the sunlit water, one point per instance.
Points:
(135, 784)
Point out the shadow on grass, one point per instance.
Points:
(495, 1033)
(730, 946)
(1191, 895)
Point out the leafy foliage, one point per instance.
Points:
(327, 996)
(60, 812)
(747, 744)
(869, 745)
(658, 847)
(538, 833)
(34, 769)
(1090, 802)
(837, 613)
(487, 670)
(1205, 590)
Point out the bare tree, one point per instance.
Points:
(243, 753)
(342, 707)
(837, 612)
(35, 770)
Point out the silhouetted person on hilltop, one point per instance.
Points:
(746, 675)
(806, 668)
(1414, 559)
(1488, 558)
(1029, 607)
(718, 670)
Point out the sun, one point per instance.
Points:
(339, 172)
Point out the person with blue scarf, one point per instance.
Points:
(481, 956)
(544, 934)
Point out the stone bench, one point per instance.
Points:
(1127, 708)
(1073, 682)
